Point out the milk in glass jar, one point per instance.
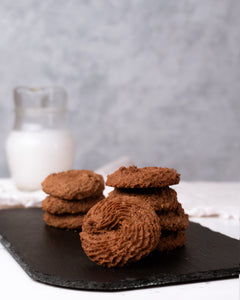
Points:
(39, 143)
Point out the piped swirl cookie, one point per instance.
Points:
(174, 220)
(171, 240)
(148, 177)
(59, 206)
(163, 199)
(73, 184)
(119, 230)
(67, 221)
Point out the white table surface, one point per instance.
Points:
(15, 283)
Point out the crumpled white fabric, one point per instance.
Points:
(205, 199)
(10, 196)
(199, 199)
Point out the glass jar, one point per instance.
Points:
(39, 143)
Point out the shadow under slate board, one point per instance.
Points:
(55, 257)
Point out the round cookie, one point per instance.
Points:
(119, 230)
(171, 240)
(173, 220)
(74, 184)
(64, 221)
(148, 177)
(57, 206)
(160, 199)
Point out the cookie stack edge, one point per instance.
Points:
(70, 195)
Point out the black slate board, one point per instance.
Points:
(55, 257)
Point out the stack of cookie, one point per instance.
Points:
(151, 184)
(71, 195)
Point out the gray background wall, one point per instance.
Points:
(156, 80)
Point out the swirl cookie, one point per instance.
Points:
(64, 221)
(119, 230)
(55, 205)
(171, 240)
(160, 199)
(173, 220)
(148, 177)
(74, 184)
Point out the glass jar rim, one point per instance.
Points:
(45, 98)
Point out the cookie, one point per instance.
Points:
(148, 177)
(119, 230)
(74, 184)
(171, 240)
(55, 205)
(64, 221)
(160, 199)
(173, 220)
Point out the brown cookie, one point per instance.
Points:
(64, 221)
(148, 177)
(173, 220)
(57, 206)
(171, 240)
(119, 230)
(160, 199)
(74, 184)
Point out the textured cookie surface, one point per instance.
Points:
(148, 177)
(160, 199)
(55, 205)
(64, 221)
(173, 220)
(74, 184)
(171, 240)
(117, 231)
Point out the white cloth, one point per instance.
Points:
(11, 196)
(205, 199)
(199, 199)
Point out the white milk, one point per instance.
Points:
(32, 155)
